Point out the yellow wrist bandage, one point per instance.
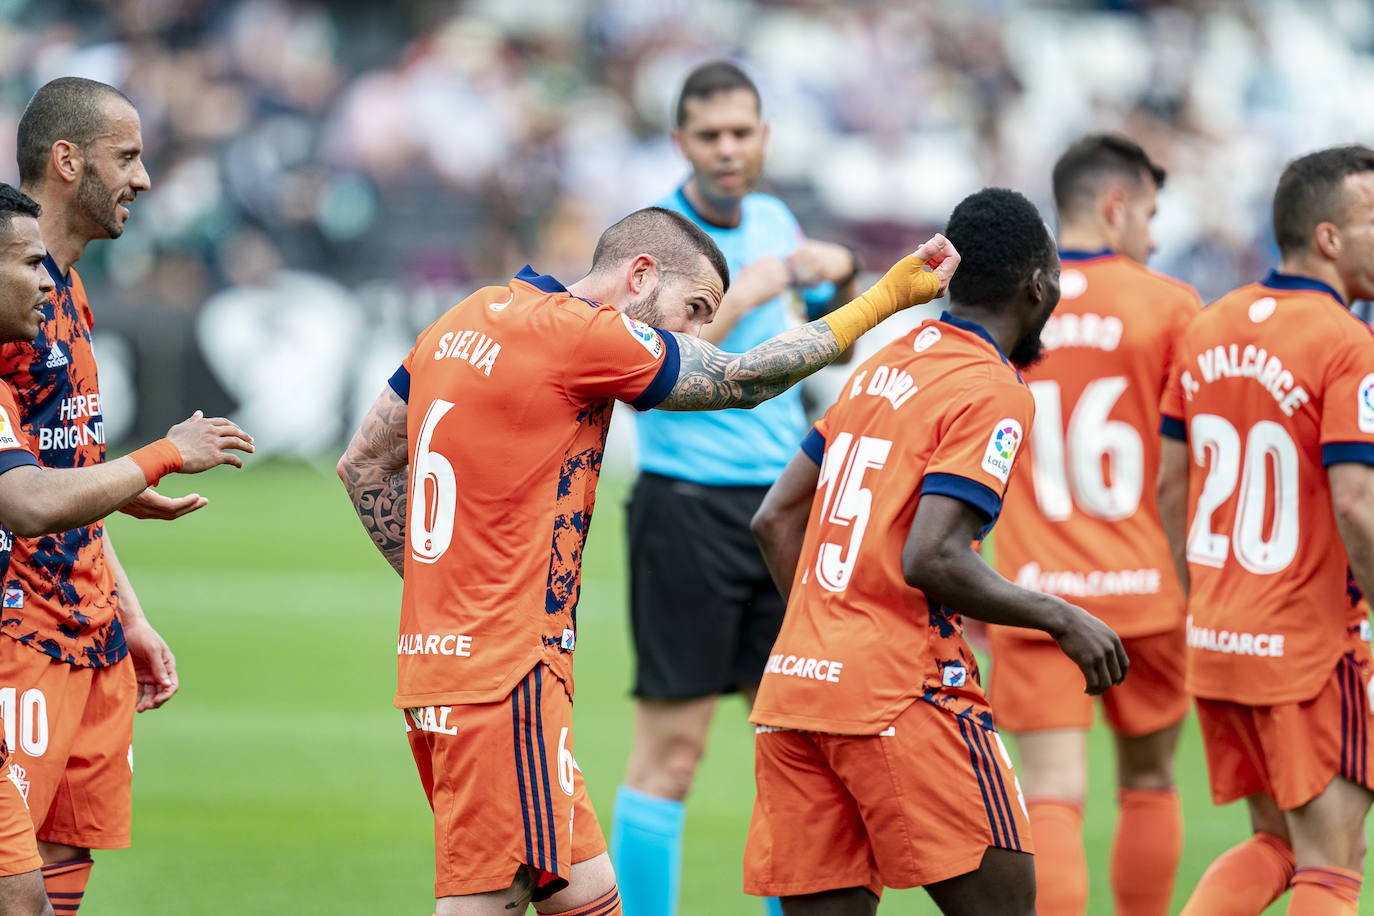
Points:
(908, 283)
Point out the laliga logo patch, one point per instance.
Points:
(1365, 409)
(928, 338)
(1072, 284)
(1002, 446)
(1261, 309)
(955, 675)
(7, 437)
(648, 338)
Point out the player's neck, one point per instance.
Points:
(1083, 238)
(64, 242)
(726, 212)
(1001, 327)
(1314, 268)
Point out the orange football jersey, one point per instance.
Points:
(1271, 383)
(59, 593)
(510, 396)
(1080, 519)
(938, 411)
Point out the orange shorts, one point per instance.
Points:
(505, 789)
(920, 803)
(18, 848)
(1034, 686)
(1291, 752)
(70, 732)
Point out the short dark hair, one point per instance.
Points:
(1080, 170)
(1001, 240)
(14, 202)
(708, 79)
(1312, 190)
(68, 108)
(674, 241)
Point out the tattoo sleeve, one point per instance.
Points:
(710, 378)
(374, 470)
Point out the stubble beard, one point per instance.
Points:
(95, 201)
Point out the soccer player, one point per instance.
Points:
(1081, 521)
(876, 760)
(1266, 491)
(81, 641)
(500, 414)
(702, 477)
(36, 500)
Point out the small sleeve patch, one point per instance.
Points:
(1002, 447)
(8, 439)
(1365, 407)
(647, 337)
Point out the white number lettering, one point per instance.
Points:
(433, 492)
(1269, 464)
(1097, 447)
(847, 503)
(566, 764)
(26, 722)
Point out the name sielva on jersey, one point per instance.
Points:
(472, 347)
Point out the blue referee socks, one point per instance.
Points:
(646, 849)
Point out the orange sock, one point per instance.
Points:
(1146, 850)
(65, 883)
(1061, 868)
(1325, 892)
(1244, 879)
(608, 904)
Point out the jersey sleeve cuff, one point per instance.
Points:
(400, 383)
(1173, 428)
(665, 379)
(1347, 453)
(12, 458)
(979, 496)
(814, 445)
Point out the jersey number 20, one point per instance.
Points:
(1267, 465)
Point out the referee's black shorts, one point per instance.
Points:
(703, 610)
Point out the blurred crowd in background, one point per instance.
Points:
(329, 176)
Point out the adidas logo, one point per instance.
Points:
(56, 358)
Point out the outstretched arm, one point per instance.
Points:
(374, 471)
(711, 379)
(37, 500)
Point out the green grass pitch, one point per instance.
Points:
(278, 781)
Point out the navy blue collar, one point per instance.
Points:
(1295, 283)
(541, 282)
(1072, 254)
(973, 328)
(53, 272)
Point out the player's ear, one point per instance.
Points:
(66, 160)
(1327, 239)
(642, 276)
(1112, 206)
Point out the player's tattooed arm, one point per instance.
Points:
(710, 378)
(374, 472)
